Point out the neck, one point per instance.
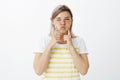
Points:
(62, 42)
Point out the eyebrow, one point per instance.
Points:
(65, 17)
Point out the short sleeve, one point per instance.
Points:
(82, 46)
(39, 46)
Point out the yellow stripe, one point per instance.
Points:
(61, 62)
(60, 52)
(61, 67)
(76, 76)
(54, 57)
(65, 72)
(60, 48)
(63, 48)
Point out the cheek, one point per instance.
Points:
(56, 23)
(68, 25)
(57, 26)
(68, 22)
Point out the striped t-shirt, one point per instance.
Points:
(61, 65)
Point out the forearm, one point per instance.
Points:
(43, 61)
(81, 64)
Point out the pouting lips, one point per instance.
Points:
(62, 27)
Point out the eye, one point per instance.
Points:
(58, 19)
(67, 19)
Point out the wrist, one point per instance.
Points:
(70, 45)
(72, 49)
(51, 43)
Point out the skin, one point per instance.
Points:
(61, 35)
(62, 24)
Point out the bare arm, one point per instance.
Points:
(80, 60)
(41, 61)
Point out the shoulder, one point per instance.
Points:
(78, 38)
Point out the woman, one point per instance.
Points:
(61, 55)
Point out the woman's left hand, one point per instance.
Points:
(68, 38)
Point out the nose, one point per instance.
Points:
(62, 22)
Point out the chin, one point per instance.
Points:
(63, 32)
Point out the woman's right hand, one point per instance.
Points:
(53, 39)
(56, 36)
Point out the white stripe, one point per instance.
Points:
(73, 74)
(59, 70)
(62, 55)
(61, 60)
(61, 79)
(61, 65)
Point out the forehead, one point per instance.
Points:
(63, 14)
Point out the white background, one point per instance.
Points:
(23, 22)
